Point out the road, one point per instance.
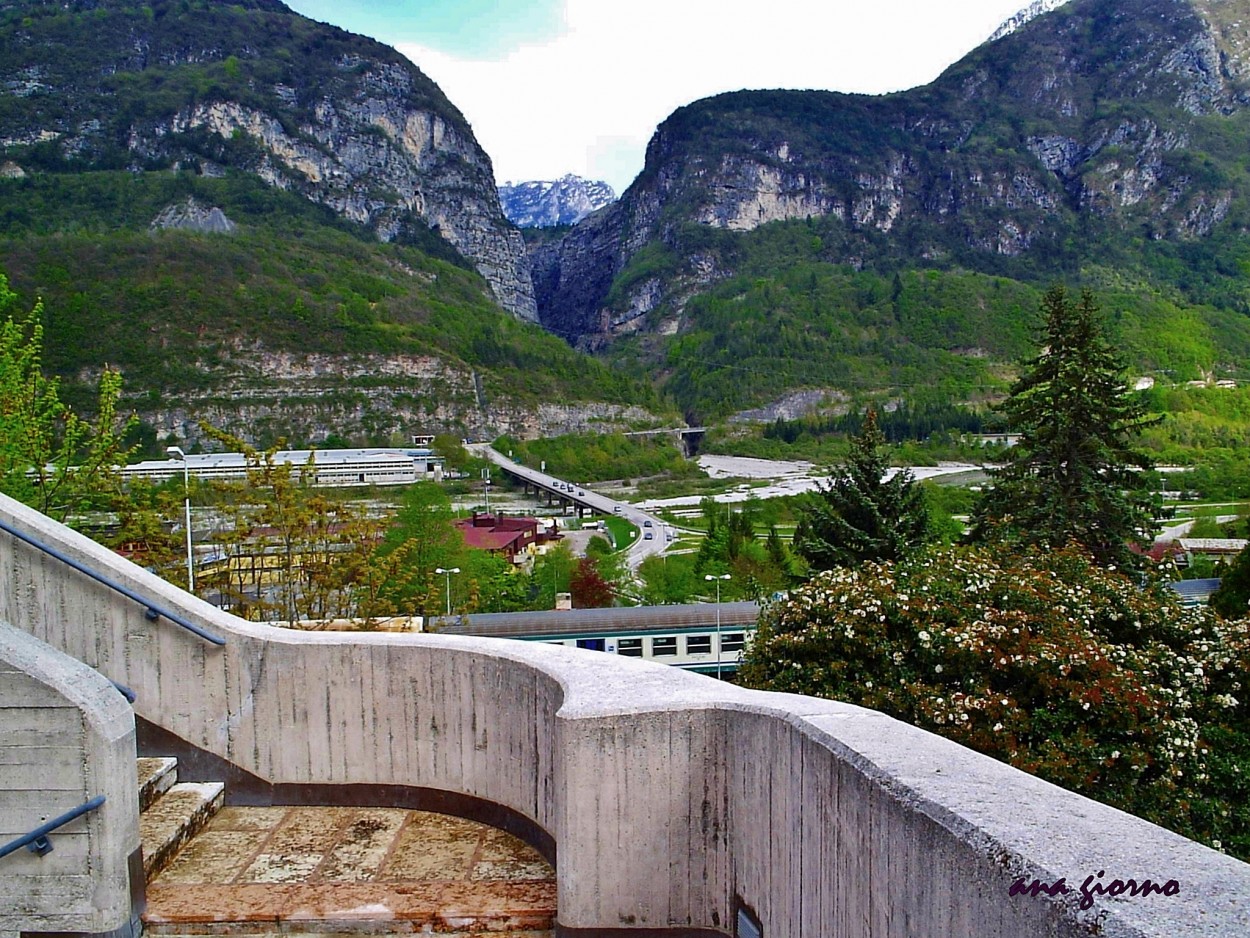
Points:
(784, 478)
(638, 551)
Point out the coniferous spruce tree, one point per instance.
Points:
(861, 515)
(1074, 475)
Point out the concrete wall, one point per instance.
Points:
(66, 736)
(672, 798)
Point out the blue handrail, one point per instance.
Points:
(153, 612)
(37, 840)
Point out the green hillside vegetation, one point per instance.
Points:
(792, 317)
(1076, 150)
(599, 457)
(168, 307)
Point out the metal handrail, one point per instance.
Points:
(37, 840)
(153, 611)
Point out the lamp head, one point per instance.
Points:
(176, 452)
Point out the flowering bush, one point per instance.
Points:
(1059, 667)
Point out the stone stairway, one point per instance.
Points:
(171, 812)
(330, 871)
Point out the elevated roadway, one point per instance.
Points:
(584, 500)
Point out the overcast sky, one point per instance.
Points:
(578, 86)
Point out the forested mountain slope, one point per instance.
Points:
(272, 224)
(1103, 142)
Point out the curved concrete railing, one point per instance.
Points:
(66, 737)
(674, 801)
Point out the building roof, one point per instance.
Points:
(1193, 592)
(499, 532)
(1214, 545)
(488, 538)
(323, 458)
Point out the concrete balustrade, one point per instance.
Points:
(672, 800)
(66, 737)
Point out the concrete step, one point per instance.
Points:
(337, 871)
(174, 818)
(220, 929)
(156, 776)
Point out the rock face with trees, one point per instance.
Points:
(1102, 134)
(272, 225)
(254, 87)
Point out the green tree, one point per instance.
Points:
(668, 579)
(142, 532)
(422, 539)
(51, 458)
(291, 551)
(1074, 475)
(862, 515)
(553, 571)
(1232, 599)
(488, 583)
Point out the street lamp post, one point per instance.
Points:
(723, 576)
(177, 453)
(448, 571)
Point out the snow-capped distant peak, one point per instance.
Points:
(544, 203)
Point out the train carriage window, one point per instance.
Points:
(664, 645)
(698, 644)
(631, 647)
(733, 641)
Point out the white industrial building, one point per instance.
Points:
(332, 467)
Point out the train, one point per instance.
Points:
(704, 637)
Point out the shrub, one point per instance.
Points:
(1045, 661)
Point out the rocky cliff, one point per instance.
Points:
(253, 87)
(262, 394)
(548, 203)
(1082, 126)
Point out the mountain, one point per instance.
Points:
(213, 87)
(271, 224)
(1032, 11)
(547, 204)
(1102, 141)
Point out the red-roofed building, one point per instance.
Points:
(517, 539)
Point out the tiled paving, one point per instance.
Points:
(342, 870)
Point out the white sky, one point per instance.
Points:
(587, 100)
